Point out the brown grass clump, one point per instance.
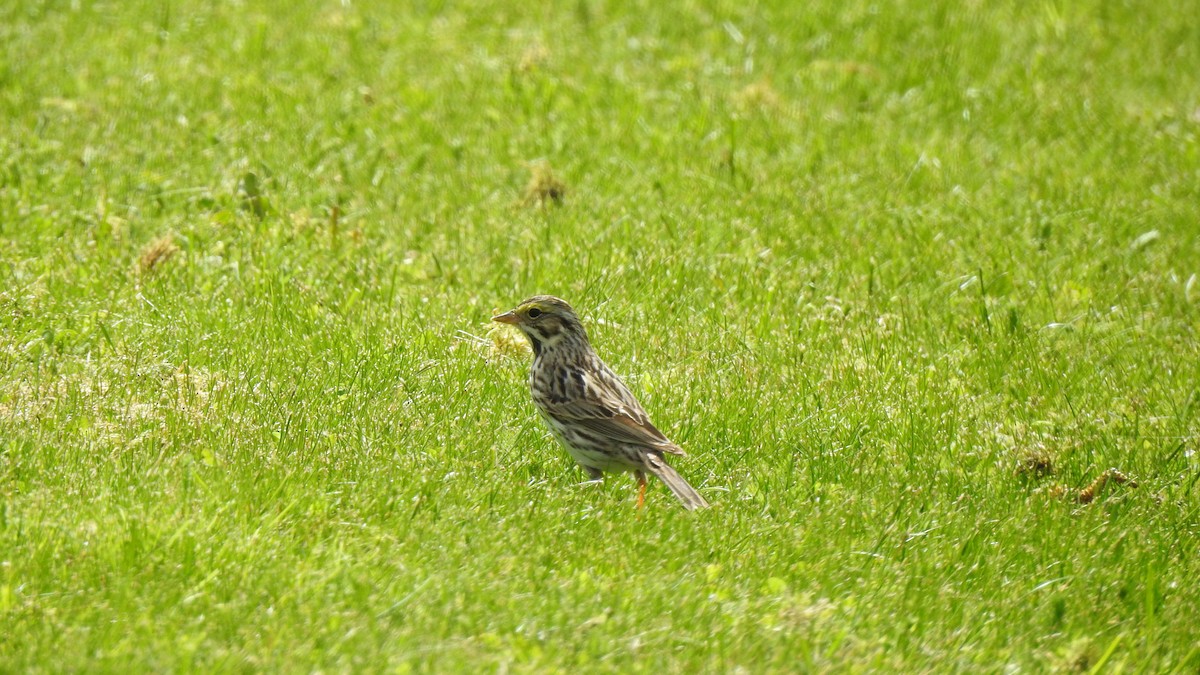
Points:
(156, 253)
(1092, 492)
(503, 341)
(543, 186)
(757, 96)
(499, 342)
(532, 58)
(1036, 463)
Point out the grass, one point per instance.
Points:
(901, 278)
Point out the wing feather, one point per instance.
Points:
(606, 406)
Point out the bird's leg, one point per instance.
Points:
(641, 479)
(594, 476)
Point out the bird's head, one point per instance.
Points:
(547, 321)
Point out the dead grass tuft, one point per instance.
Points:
(1093, 491)
(506, 342)
(543, 186)
(533, 57)
(157, 253)
(1037, 463)
(757, 96)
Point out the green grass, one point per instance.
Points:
(863, 261)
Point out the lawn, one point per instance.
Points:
(904, 279)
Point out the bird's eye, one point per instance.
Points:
(534, 313)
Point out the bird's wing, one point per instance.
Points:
(607, 407)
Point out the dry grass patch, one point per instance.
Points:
(157, 253)
(543, 186)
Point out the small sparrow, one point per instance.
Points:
(587, 407)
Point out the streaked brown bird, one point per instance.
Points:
(587, 407)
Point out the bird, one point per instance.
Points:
(587, 407)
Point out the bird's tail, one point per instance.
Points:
(682, 489)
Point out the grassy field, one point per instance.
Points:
(903, 278)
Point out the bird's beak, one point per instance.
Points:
(507, 317)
